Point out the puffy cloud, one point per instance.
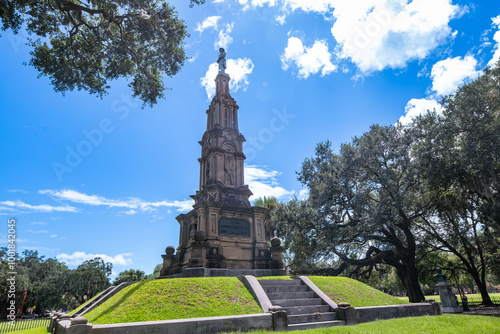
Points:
(224, 39)
(129, 203)
(77, 258)
(209, 22)
(417, 107)
(307, 60)
(238, 69)
(256, 3)
(263, 182)
(37, 232)
(318, 6)
(496, 37)
(36, 208)
(377, 34)
(449, 73)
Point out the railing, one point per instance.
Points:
(7, 327)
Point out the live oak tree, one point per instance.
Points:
(369, 198)
(90, 278)
(131, 275)
(458, 151)
(82, 44)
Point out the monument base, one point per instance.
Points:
(211, 272)
(451, 309)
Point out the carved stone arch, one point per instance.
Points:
(229, 147)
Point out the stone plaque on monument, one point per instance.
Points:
(234, 227)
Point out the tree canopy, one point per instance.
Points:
(83, 44)
(400, 195)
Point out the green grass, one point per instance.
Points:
(39, 330)
(343, 289)
(88, 301)
(475, 296)
(179, 298)
(445, 324)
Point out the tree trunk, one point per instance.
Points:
(409, 277)
(482, 288)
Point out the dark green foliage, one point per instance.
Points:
(84, 44)
(130, 275)
(50, 284)
(458, 152)
(367, 198)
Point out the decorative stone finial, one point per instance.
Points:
(199, 236)
(440, 276)
(170, 250)
(275, 242)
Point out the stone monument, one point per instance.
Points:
(449, 303)
(223, 235)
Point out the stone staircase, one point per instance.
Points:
(304, 308)
(101, 298)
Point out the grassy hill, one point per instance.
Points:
(176, 299)
(343, 289)
(207, 297)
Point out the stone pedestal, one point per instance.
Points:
(449, 303)
(222, 231)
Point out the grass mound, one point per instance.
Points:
(343, 289)
(179, 298)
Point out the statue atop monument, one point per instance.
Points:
(222, 61)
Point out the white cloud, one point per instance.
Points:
(36, 232)
(17, 191)
(303, 194)
(263, 182)
(53, 236)
(496, 37)
(224, 39)
(38, 223)
(209, 22)
(417, 107)
(308, 60)
(77, 258)
(376, 34)
(38, 208)
(318, 6)
(449, 73)
(238, 70)
(256, 3)
(129, 203)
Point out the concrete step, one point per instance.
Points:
(297, 302)
(93, 302)
(291, 295)
(280, 282)
(306, 309)
(314, 317)
(286, 288)
(311, 325)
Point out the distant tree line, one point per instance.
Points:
(400, 200)
(49, 284)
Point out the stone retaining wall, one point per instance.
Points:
(358, 315)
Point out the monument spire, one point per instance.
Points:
(222, 158)
(223, 235)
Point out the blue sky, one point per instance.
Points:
(86, 176)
